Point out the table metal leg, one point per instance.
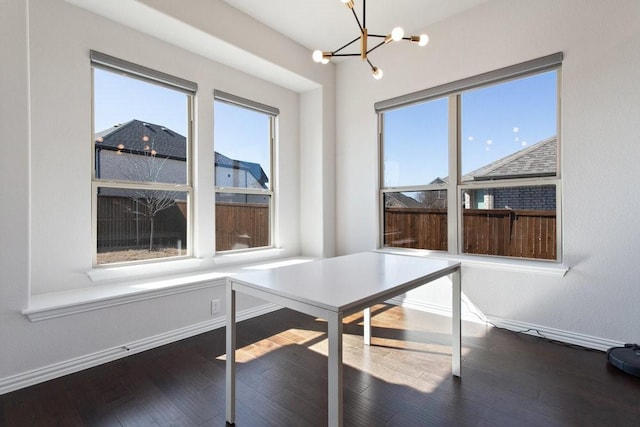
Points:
(335, 370)
(230, 374)
(456, 330)
(367, 326)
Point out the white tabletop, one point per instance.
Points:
(347, 282)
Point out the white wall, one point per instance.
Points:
(14, 176)
(46, 166)
(600, 152)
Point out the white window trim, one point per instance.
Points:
(455, 185)
(132, 70)
(272, 113)
(487, 262)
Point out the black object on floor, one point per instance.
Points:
(626, 358)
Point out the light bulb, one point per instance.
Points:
(348, 3)
(397, 34)
(377, 73)
(422, 39)
(320, 56)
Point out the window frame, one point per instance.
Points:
(272, 113)
(128, 69)
(455, 187)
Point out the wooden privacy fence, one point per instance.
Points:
(241, 225)
(506, 232)
(417, 228)
(124, 223)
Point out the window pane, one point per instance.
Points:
(242, 143)
(141, 130)
(416, 219)
(415, 148)
(509, 129)
(140, 224)
(242, 221)
(510, 221)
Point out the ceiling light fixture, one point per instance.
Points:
(396, 35)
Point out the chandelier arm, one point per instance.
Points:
(346, 54)
(375, 47)
(370, 64)
(361, 26)
(346, 45)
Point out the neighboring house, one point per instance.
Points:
(146, 152)
(238, 173)
(401, 200)
(139, 151)
(538, 160)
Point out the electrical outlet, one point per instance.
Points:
(215, 306)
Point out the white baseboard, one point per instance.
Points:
(567, 337)
(441, 310)
(39, 375)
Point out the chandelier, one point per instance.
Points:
(396, 34)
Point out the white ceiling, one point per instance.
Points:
(329, 24)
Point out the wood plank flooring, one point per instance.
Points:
(403, 379)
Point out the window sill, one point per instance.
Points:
(490, 263)
(63, 303)
(175, 266)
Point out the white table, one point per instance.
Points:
(331, 289)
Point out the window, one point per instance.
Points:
(141, 162)
(472, 167)
(415, 154)
(243, 144)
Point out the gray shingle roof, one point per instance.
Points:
(139, 137)
(400, 200)
(540, 159)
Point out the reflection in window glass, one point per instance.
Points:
(140, 129)
(510, 119)
(415, 148)
(242, 221)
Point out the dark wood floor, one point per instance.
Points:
(403, 379)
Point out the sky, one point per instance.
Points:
(119, 99)
(497, 121)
